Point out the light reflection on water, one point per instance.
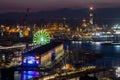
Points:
(96, 46)
(25, 75)
(111, 53)
(117, 48)
(29, 74)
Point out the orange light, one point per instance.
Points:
(91, 8)
(37, 57)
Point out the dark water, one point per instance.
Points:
(111, 52)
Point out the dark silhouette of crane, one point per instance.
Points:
(25, 19)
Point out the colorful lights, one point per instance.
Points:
(31, 60)
(41, 37)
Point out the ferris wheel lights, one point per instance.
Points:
(41, 37)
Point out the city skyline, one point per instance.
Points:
(47, 5)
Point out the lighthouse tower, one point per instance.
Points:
(91, 16)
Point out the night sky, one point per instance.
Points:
(44, 5)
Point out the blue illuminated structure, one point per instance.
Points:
(31, 60)
(53, 55)
(39, 56)
(21, 34)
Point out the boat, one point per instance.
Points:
(111, 43)
(107, 43)
(116, 43)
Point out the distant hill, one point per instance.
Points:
(106, 15)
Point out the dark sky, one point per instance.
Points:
(43, 5)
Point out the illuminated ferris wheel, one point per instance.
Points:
(41, 37)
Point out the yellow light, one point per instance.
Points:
(91, 8)
(37, 57)
(26, 33)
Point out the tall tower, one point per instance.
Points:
(91, 16)
(64, 21)
(25, 21)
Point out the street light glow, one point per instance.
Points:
(91, 8)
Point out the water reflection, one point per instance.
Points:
(111, 52)
(117, 48)
(96, 46)
(25, 75)
(29, 74)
